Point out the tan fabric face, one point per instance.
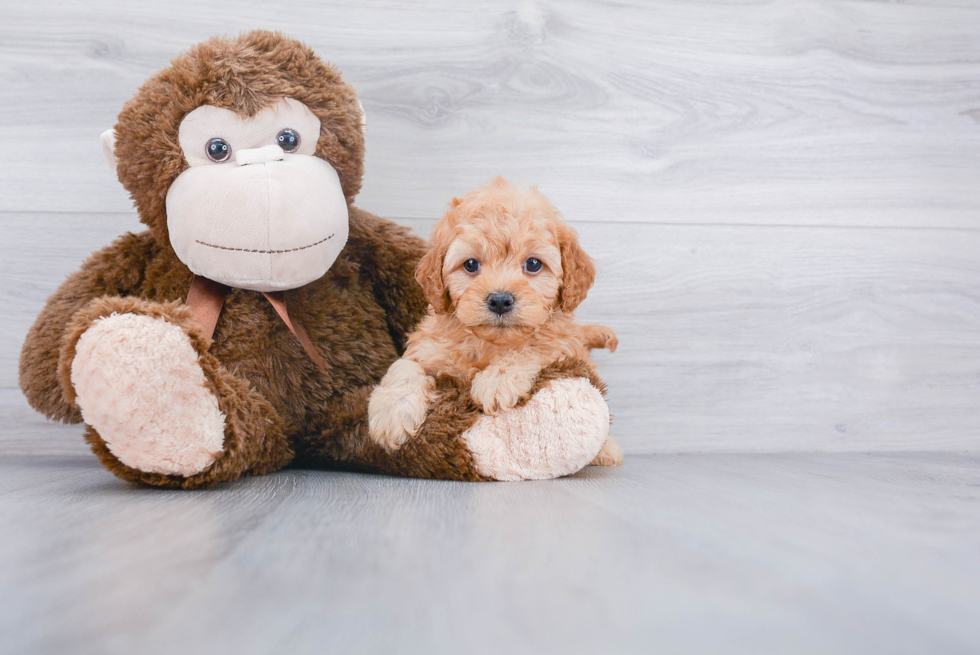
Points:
(272, 225)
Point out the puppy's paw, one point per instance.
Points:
(600, 336)
(392, 418)
(609, 455)
(398, 405)
(497, 389)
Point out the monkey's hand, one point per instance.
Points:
(600, 336)
(399, 404)
(500, 387)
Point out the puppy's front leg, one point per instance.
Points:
(399, 404)
(501, 386)
(599, 336)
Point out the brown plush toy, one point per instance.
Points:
(246, 328)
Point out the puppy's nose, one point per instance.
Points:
(500, 303)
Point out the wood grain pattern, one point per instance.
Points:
(782, 196)
(804, 112)
(798, 553)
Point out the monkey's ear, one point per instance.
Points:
(363, 117)
(109, 148)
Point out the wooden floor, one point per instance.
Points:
(736, 553)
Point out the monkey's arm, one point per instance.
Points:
(115, 270)
(389, 254)
(557, 429)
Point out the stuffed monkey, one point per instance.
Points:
(244, 330)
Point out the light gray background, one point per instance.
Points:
(784, 201)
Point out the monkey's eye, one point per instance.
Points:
(288, 139)
(471, 266)
(218, 150)
(533, 265)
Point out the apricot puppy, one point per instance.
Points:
(503, 276)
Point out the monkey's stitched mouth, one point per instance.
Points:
(263, 252)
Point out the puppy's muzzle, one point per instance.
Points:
(500, 303)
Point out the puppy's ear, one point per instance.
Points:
(429, 274)
(578, 270)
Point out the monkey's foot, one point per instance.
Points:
(139, 382)
(557, 432)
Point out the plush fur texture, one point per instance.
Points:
(436, 453)
(139, 382)
(278, 407)
(245, 75)
(521, 444)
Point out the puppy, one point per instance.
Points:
(502, 277)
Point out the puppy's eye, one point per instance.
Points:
(471, 266)
(218, 150)
(533, 265)
(288, 139)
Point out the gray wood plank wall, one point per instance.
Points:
(783, 197)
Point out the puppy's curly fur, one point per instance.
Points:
(503, 276)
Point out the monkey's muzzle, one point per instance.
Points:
(270, 223)
(262, 155)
